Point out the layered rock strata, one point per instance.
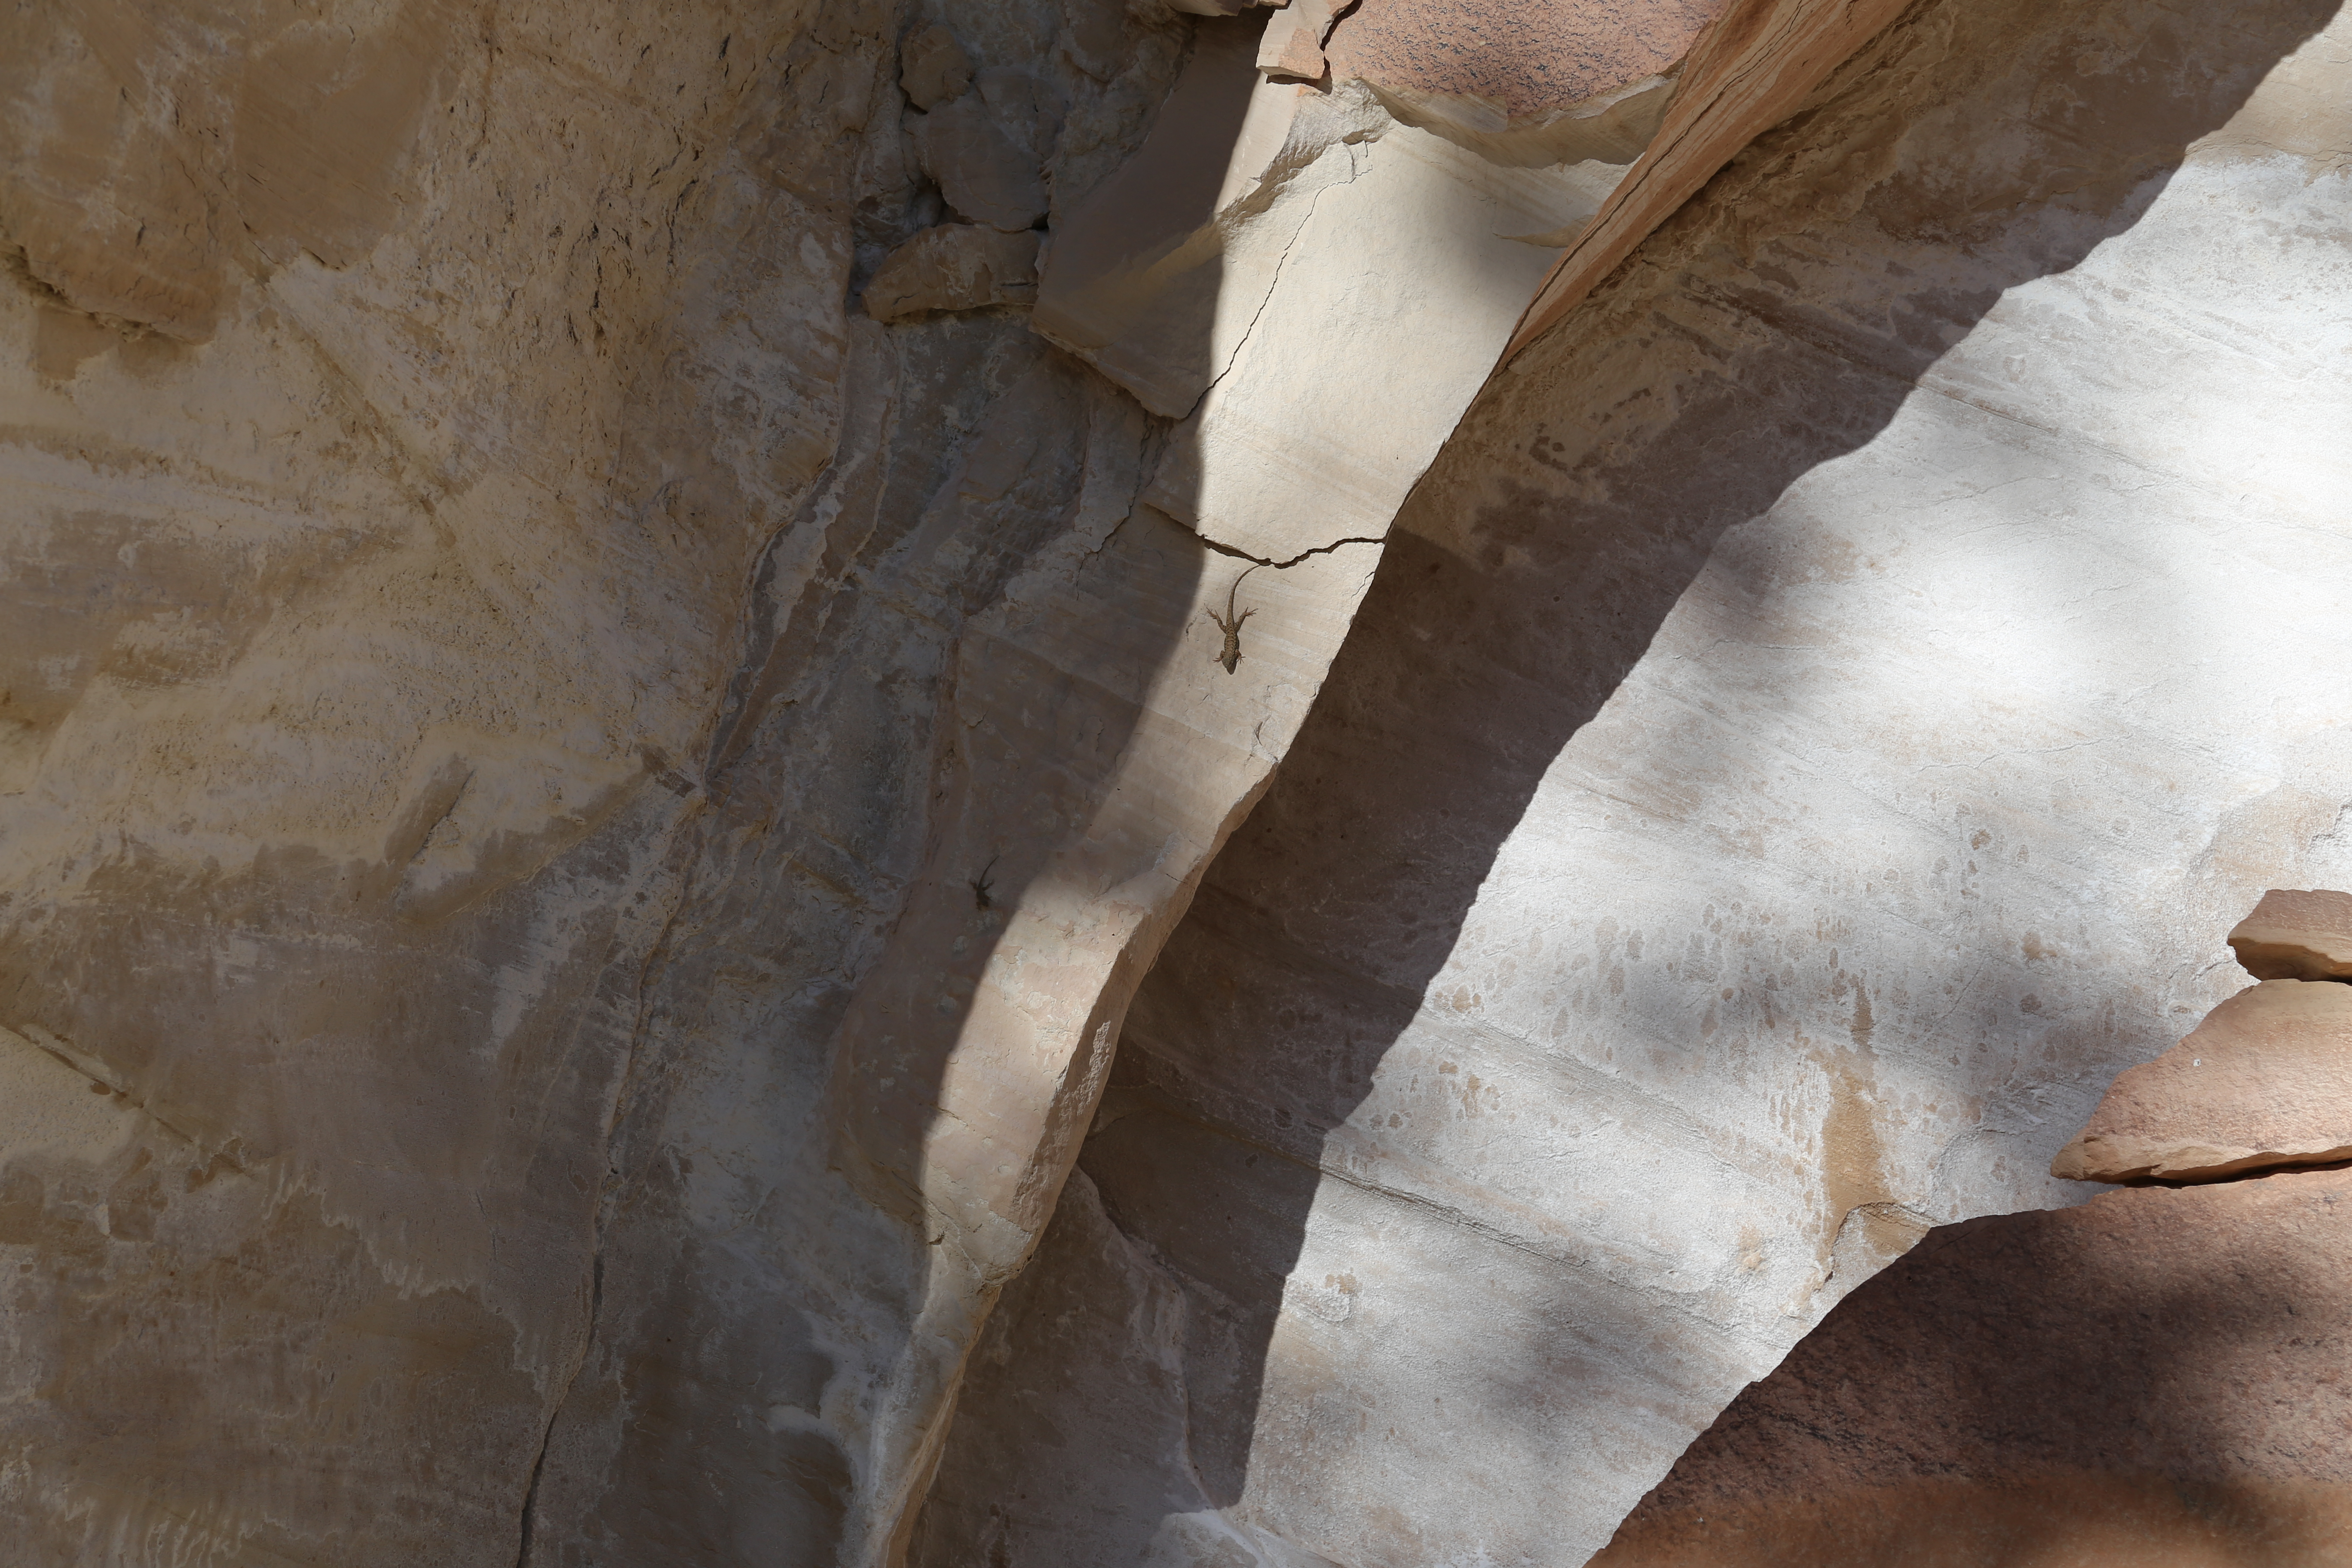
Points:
(534, 729)
(2296, 934)
(594, 738)
(597, 727)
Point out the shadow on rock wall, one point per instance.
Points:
(1970, 150)
(947, 653)
(563, 1110)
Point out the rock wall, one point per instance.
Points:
(2155, 1377)
(499, 650)
(593, 737)
(628, 631)
(1803, 739)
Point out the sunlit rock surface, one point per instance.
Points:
(594, 741)
(1236, 295)
(576, 815)
(1808, 733)
(2265, 1080)
(2296, 934)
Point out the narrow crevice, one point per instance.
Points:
(600, 1223)
(1281, 565)
(531, 1493)
(1277, 178)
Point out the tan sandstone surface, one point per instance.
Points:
(554, 768)
(2296, 934)
(593, 737)
(2266, 1080)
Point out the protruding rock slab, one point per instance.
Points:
(1745, 76)
(955, 267)
(1525, 60)
(1233, 290)
(1293, 43)
(2265, 1080)
(2296, 934)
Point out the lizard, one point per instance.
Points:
(1231, 624)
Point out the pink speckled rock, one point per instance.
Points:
(1528, 58)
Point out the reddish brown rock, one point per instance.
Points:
(2155, 1378)
(1292, 45)
(2265, 1080)
(1744, 77)
(2294, 934)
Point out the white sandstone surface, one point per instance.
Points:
(1810, 731)
(503, 661)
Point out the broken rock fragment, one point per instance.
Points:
(955, 266)
(2265, 1080)
(2296, 934)
(978, 169)
(1527, 85)
(1293, 44)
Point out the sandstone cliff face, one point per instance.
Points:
(596, 739)
(487, 676)
(597, 726)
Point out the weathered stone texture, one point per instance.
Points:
(597, 743)
(933, 68)
(984, 175)
(494, 647)
(1522, 61)
(2156, 1377)
(2296, 935)
(955, 267)
(598, 725)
